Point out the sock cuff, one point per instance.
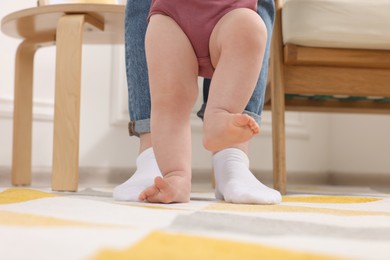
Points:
(231, 152)
(148, 153)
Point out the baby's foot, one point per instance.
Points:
(147, 170)
(172, 188)
(223, 129)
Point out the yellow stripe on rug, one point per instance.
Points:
(329, 199)
(168, 246)
(16, 195)
(8, 218)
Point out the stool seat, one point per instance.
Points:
(43, 20)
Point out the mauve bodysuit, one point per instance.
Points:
(197, 18)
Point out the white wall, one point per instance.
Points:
(360, 144)
(315, 142)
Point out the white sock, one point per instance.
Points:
(147, 170)
(235, 183)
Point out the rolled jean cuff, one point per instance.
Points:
(136, 128)
(255, 116)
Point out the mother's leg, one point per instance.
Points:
(138, 101)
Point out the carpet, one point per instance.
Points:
(311, 223)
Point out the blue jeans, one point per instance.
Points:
(137, 73)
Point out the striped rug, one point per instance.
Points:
(311, 223)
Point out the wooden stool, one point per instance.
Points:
(67, 26)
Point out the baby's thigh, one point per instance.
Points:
(169, 53)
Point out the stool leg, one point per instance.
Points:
(22, 120)
(67, 103)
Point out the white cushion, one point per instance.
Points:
(358, 24)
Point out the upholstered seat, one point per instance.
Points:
(355, 24)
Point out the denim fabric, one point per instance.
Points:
(137, 73)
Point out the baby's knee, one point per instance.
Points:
(175, 95)
(249, 30)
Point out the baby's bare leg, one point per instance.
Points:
(173, 71)
(237, 47)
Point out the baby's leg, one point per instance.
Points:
(173, 71)
(237, 46)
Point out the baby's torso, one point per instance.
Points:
(197, 18)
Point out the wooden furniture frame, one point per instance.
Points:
(68, 26)
(320, 71)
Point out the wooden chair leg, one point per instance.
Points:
(278, 105)
(23, 104)
(278, 139)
